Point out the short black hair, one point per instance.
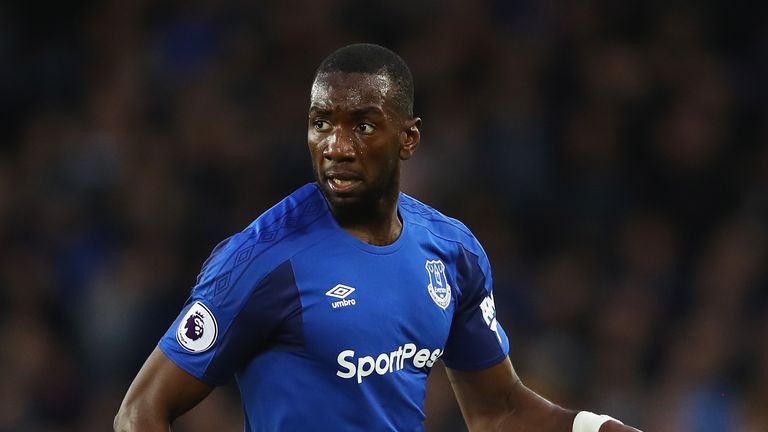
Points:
(369, 58)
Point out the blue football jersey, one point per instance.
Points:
(325, 332)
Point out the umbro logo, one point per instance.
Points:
(341, 292)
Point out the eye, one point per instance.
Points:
(321, 125)
(365, 128)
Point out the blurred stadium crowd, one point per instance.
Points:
(611, 156)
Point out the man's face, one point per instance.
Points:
(357, 137)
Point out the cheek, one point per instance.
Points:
(395, 153)
(313, 146)
(387, 161)
(311, 139)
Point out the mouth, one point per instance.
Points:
(341, 183)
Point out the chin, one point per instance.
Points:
(339, 200)
(349, 205)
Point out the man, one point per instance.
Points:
(331, 308)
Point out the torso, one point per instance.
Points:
(370, 327)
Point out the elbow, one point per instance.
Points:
(127, 419)
(122, 421)
(133, 419)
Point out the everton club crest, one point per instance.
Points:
(438, 286)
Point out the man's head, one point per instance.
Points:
(373, 59)
(361, 126)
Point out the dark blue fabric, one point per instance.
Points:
(270, 316)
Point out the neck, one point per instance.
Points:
(375, 223)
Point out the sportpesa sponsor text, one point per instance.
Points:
(386, 362)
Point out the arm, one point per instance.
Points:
(495, 399)
(160, 392)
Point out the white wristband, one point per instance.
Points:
(586, 421)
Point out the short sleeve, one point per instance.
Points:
(235, 311)
(476, 340)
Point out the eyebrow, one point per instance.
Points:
(359, 112)
(317, 110)
(370, 109)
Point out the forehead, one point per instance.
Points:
(342, 90)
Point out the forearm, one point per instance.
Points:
(527, 411)
(495, 399)
(523, 411)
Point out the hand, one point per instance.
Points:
(612, 426)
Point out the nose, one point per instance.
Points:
(340, 147)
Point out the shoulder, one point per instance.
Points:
(296, 211)
(439, 225)
(269, 241)
(460, 248)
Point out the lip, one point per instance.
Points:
(349, 181)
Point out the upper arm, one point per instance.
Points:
(244, 299)
(160, 392)
(237, 307)
(487, 387)
(476, 340)
(483, 396)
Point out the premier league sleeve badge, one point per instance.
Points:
(198, 329)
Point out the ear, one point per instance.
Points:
(409, 138)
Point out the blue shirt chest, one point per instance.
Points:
(368, 303)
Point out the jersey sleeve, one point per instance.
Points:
(476, 340)
(236, 309)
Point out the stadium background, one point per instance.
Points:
(611, 156)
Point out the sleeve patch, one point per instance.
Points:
(488, 309)
(198, 329)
